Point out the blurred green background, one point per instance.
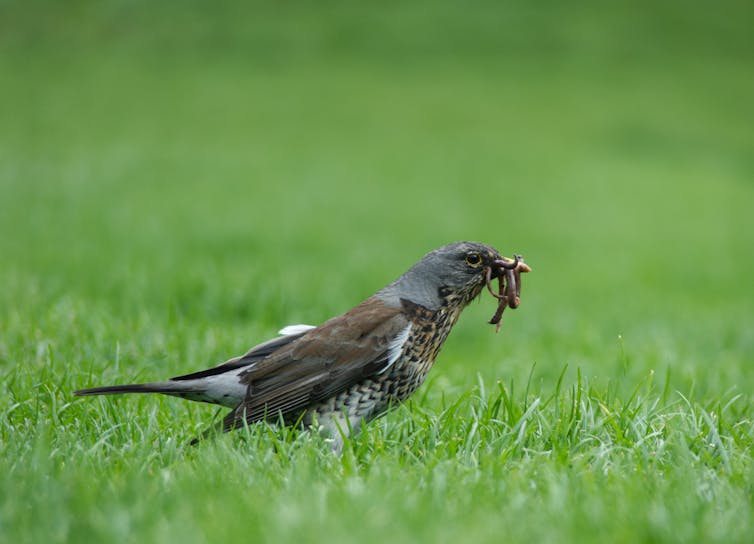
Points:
(278, 162)
(180, 179)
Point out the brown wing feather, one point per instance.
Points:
(257, 353)
(333, 357)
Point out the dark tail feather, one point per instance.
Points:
(156, 387)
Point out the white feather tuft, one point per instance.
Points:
(395, 348)
(295, 329)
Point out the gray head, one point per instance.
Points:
(456, 270)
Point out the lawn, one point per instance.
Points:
(178, 181)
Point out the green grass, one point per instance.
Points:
(177, 182)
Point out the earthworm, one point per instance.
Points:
(508, 274)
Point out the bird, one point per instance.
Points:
(356, 366)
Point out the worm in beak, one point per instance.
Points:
(508, 273)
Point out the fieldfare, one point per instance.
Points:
(355, 366)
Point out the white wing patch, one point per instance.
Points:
(295, 329)
(395, 348)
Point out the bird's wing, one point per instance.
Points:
(255, 354)
(338, 354)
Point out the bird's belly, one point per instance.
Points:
(373, 396)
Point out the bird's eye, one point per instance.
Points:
(473, 259)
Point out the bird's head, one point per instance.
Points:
(455, 274)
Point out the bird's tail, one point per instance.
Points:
(166, 388)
